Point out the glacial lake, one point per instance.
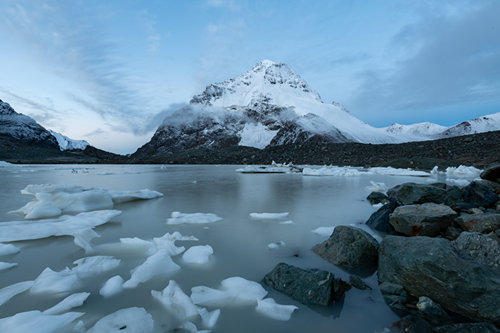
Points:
(239, 242)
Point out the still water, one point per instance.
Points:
(239, 242)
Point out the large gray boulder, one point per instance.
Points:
(467, 328)
(350, 248)
(432, 267)
(491, 173)
(484, 223)
(411, 193)
(380, 219)
(428, 219)
(307, 287)
(480, 195)
(480, 248)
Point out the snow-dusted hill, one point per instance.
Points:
(66, 143)
(23, 128)
(482, 124)
(415, 132)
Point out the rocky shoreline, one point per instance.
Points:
(438, 264)
(476, 150)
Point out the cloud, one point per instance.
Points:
(231, 5)
(446, 60)
(95, 132)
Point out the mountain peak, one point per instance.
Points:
(273, 82)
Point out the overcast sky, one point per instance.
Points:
(101, 70)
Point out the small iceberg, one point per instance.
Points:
(193, 218)
(112, 286)
(130, 320)
(37, 321)
(269, 308)
(199, 254)
(269, 216)
(70, 302)
(55, 200)
(323, 231)
(273, 168)
(275, 245)
(8, 292)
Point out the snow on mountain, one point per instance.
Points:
(415, 132)
(22, 127)
(490, 122)
(66, 143)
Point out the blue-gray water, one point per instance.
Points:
(239, 243)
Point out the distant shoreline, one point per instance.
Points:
(476, 150)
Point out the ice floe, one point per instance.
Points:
(8, 292)
(129, 320)
(158, 264)
(323, 231)
(377, 187)
(269, 216)
(6, 249)
(68, 279)
(232, 291)
(199, 254)
(6, 164)
(37, 321)
(269, 308)
(193, 218)
(461, 171)
(54, 200)
(7, 265)
(112, 286)
(276, 245)
(286, 222)
(357, 171)
(273, 168)
(70, 302)
(79, 226)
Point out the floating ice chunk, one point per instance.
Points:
(377, 206)
(68, 279)
(8, 292)
(159, 264)
(194, 218)
(6, 249)
(208, 319)
(167, 242)
(463, 171)
(36, 321)
(377, 187)
(7, 265)
(458, 182)
(273, 168)
(233, 291)
(129, 320)
(70, 302)
(75, 226)
(269, 308)
(6, 164)
(269, 216)
(397, 172)
(332, 171)
(275, 245)
(286, 222)
(83, 238)
(199, 254)
(54, 200)
(176, 301)
(112, 286)
(323, 231)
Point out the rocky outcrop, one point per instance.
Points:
(484, 222)
(492, 173)
(349, 248)
(307, 287)
(436, 268)
(480, 195)
(427, 219)
(380, 219)
(377, 197)
(411, 193)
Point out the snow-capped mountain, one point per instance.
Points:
(23, 128)
(66, 143)
(490, 122)
(416, 132)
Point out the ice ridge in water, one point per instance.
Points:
(36, 321)
(54, 200)
(79, 226)
(194, 218)
(6, 249)
(70, 302)
(7, 265)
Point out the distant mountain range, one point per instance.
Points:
(268, 106)
(271, 105)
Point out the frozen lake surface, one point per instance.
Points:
(214, 205)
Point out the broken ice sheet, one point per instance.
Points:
(199, 254)
(269, 216)
(269, 308)
(54, 200)
(129, 320)
(36, 321)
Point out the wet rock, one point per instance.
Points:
(413, 324)
(484, 223)
(431, 266)
(428, 219)
(380, 219)
(358, 283)
(395, 296)
(467, 328)
(377, 197)
(350, 248)
(307, 287)
(431, 311)
(491, 173)
(480, 195)
(411, 193)
(480, 248)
